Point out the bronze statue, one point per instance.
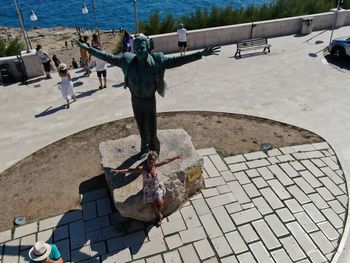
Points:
(144, 75)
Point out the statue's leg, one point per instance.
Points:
(154, 144)
(139, 112)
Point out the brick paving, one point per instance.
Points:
(253, 209)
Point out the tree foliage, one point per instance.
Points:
(204, 18)
(10, 47)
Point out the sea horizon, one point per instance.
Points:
(109, 15)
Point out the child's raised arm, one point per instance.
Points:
(138, 169)
(165, 161)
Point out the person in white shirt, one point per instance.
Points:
(182, 34)
(101, 69)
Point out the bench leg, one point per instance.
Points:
(237, 52)
(269, 50)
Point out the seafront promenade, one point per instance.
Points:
(289, 205)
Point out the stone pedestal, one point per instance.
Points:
(182, 178)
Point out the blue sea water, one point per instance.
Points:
(109, 13)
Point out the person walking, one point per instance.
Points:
(182, 35)
(127, 39)
(95, 42)
(101, 69)
(66, 84)
(153, 190)
(85, 57)
(45, 253)
(56, 60)
(45, 60)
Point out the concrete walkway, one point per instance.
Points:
(293, 84)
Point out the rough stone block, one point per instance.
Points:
(182, 178)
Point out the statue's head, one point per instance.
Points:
(142, 46)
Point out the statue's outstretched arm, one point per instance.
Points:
(172, 62)
(110, 58)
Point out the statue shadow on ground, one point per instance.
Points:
(119, 85)
(342, 63)
(36, 80)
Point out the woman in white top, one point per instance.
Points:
(45, 60)
(66, 84)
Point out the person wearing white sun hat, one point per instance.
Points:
(45, 253)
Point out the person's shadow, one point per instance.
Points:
(50, 110)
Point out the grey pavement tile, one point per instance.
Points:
(324, 192)
(259, 182)
(312, 168)
(149, 248)
(317, 257)
(245, 216)
(61, 232)
(252, 173)
(238, 167)
(192, 235)
(280, 175)
(279, 189)
(255, 155)
(210, 167)
(265, 233)
(318, 162)
(328, 230)
(93, 237)
(220, 200)
(221, 246)
(236, 242)
(135, 239)
(218, 162)
(214, 181)
(293, 248)
(293, 205)
(238, 192)
(287, 149)
(211, 260)
(285, 215)
(229, 259)
(223, 219)
(321, 146)
(235, 159)
(233, 207)
(343, 187)
(173, 226)
(190, 217)
(91, 260)
(273, 160)
(112, 231)
(308, 155)
(257, 163)
(94, 195)
(120, 256)
(25, 230)
(210, 192)
(23, 256)
(314, 213)
(46, 235)
(251, 190)
(201, 206)
(116, 218)
(302, 237)
(5, 236)
(343, 199)
(28, 241)
(172, 257)
(304, 148)
(298, 194)
(223, 189)
(332, 187)
(247, 206)
(210, 226)
(154, 232)
(333, 218)
(304, 185)
(97, 223)
(281, 256)
(89, 210)
(203, 249)
(337, 206)
(265, 173)
(133, 226)
(260, 252)
(274, 152)
(318, 201)
(77, 234)
(115, 244)
(189, 254)
(242, 177)
(173, 241)
(248, 233)
(297, 166)
(59, 220)
(261, 204)
(306, 222)
(322, 242)
(228, 176)
(154, 259)
(207, 151)
(276, 225)
(11, 251)
(64, 248)
(196, 196)
(289, 170)
(285, 158)
(330, 163)
(310, 178)
(246, 258)
(104, 206)
(271, 198)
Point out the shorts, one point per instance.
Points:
(47, 66)
(103, 73)
(182, 44)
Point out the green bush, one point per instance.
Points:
(10, 47)
(229, 16)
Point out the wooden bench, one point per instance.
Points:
(252, 44)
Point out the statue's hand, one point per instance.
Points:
(212, 50)
(79, 44)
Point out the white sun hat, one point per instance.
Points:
(40, 251)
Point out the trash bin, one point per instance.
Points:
(6, 75)
(306, 25)
(21, 69)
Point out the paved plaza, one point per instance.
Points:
(289, 205)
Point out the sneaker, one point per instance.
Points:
(100, 87)
(105, 86)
